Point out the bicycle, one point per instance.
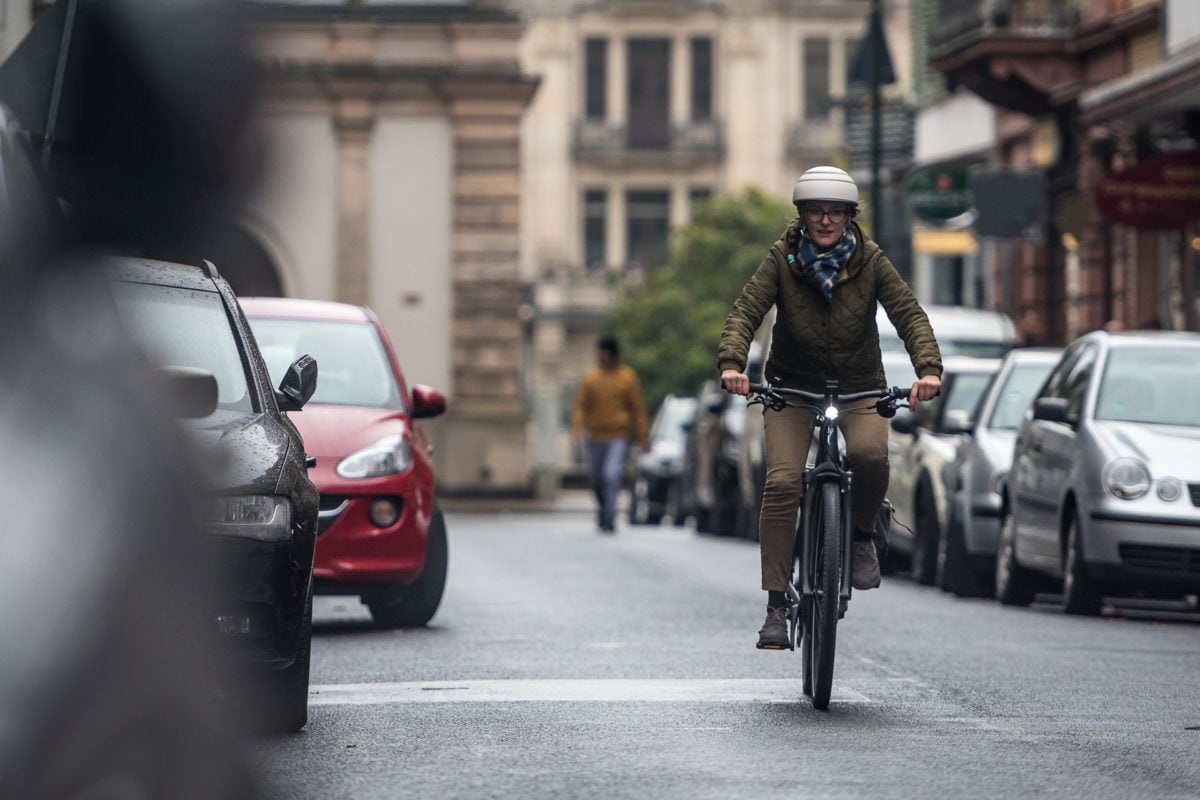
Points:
(825, 529)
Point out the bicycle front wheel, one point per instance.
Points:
(826, 580)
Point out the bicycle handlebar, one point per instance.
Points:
(889, 399)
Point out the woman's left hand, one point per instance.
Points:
(925, 388)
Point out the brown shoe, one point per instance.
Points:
(864, 566)
(774, 633)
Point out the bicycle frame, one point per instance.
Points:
(827, 468)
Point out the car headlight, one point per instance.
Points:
(389, 455)
(1126, 478)
(1168, 489)
(263, 518)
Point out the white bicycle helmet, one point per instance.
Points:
(828, 184)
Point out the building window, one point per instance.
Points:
(648, 225)
(696, 196)
(649, 93)
(595, 228)
(596, 78)
(702, 75)
(816, 78)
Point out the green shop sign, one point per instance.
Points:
(939, 192)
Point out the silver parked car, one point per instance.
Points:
(658, 485)
(922, 448)
(1104, 490)
(967, 550)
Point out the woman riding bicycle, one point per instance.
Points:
(825, 277)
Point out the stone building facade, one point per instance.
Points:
(394, 137)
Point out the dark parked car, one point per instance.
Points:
(382, 536)
(262, 512)
(658, 483)
(1104, 489)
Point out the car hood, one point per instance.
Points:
(1166, 449)
(246, 456)
(332, 431)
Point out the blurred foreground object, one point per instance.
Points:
(101, 686)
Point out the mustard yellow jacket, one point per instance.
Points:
(609, 403)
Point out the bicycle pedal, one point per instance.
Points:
(762, 646)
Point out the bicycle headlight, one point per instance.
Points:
(831, 413)
(263, 518)
(389, 455)
(1126, 478)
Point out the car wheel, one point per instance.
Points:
(674, 509)
(956, 573)
(639, 503)
(1080, 595)
(1014, 584)
(925, 539)
(284, 702)
(414, 605)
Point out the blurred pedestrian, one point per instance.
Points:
(825, 277)
(608, 405)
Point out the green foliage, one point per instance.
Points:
(670, 325)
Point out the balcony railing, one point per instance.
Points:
(965, 19)
(688, 143)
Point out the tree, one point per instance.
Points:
(670, 325)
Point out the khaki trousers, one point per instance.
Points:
(786, 437)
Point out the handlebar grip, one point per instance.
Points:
(758, 388)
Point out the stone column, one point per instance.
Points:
(485, 434)
(353, 122)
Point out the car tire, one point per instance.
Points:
(639, 503)
(674, 510)
(956, 571)
(284, 702)
(414, 605)
(1080, 593)
(925, 538)
(1015, 586)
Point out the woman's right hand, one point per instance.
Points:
(735, 382)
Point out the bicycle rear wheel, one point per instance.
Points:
(826, 578)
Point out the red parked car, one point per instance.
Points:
(381, 535)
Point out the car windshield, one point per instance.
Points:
(186, 328)
(1016, 394)
(669, 425)
(967, 390)
(1146, 384)
(352, 365)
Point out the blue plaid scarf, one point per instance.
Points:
(825, 270)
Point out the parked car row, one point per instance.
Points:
(337, 499)
(1035, 469)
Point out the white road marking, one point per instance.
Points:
(573, 691)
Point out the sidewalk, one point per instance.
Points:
(568, 501)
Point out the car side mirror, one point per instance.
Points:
(1052, 409)
(191, 392)
(956, 421)
(904, 422)
(427, 402)
(298, 384)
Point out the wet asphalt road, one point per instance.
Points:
(568, 664)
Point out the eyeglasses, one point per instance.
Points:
(814, 214)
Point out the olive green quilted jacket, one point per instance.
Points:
(814, 340)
